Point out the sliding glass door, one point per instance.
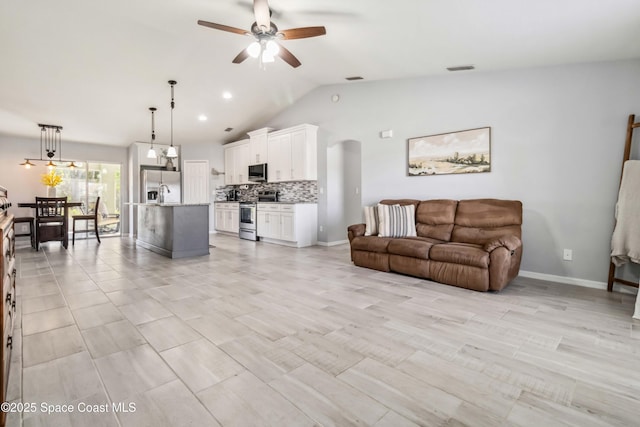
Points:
(85, 184)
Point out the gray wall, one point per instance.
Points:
(24, 185)
(557, 143)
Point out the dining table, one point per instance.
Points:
(67, 205)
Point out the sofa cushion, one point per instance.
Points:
(434, 218)
(415, 247)
(460, 253)
(371, 220)
(482, 220)
(370, 243)
(396, 220)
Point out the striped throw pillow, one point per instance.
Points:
(371, 220)
(396, 220)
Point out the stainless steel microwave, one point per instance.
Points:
(258, 173)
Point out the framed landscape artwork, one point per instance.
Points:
(466, 151)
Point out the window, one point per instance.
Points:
(89, 181)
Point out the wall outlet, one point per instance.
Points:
(567, 255)
(321, 228)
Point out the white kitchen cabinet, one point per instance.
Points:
(288, 223)
(258, 146)
(304, 153)
(279, 154)
(236, 163)
(227, 217)
(269, 223)
(292, 154)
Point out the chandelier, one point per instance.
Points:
(50, 143)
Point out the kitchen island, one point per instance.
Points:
(174, 230)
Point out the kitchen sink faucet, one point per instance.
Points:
(161, 189)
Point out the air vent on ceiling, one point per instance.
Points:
(228, 129)
(354, 78)
(461, 68)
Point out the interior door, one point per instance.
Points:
(195, 181)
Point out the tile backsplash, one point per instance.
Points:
(295, 191)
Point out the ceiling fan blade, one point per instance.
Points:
(288, 57)
(223, 27)
(241, 56)
(263, 16)
(302, 33)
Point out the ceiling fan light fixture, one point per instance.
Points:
(254, 49)
(267, 57)
(272, 47)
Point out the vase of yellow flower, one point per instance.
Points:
(51, 179)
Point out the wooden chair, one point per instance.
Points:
(88, 217)
(51, 220)
(31, 222)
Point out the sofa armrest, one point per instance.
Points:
(356, 230)
(510, 242)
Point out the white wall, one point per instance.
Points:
(557, 142)
(24, 184)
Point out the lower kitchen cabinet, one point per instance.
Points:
(290, 224)
(227, 217)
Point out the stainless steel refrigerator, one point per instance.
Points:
(150, 181)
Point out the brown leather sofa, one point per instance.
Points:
(474, 244)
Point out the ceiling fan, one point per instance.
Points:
(267, 35)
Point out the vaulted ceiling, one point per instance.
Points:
(96, 67)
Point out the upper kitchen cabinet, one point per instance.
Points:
(258, 146)
(292, 154)
(236, 163)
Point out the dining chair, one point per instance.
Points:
(87, 217)
(30, 221)
(51, 220)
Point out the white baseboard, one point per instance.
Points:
(572, 281)
(336, 243)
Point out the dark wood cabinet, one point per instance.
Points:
(8, 302)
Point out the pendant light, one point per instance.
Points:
(171, 151)
(151, 154)
(27, 164)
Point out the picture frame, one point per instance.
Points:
(465, 151)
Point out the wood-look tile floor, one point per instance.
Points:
(262, 335)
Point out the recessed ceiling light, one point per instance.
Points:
(228, 129)
(202, 118)
(227, 95)
(354, 78)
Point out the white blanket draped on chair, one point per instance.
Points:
(625, 242)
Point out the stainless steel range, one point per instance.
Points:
(248, 221)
